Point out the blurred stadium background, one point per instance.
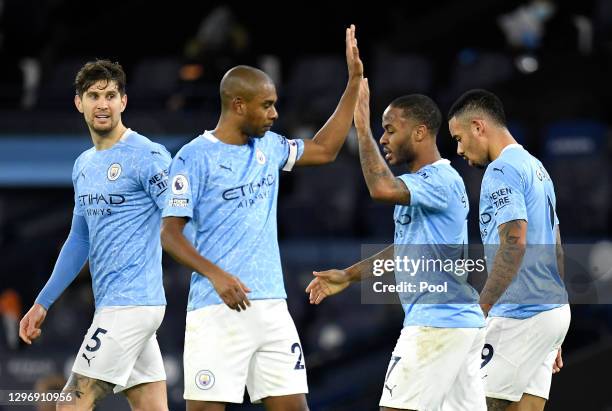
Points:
(549, 61)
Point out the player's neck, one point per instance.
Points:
(229, 133)
(501, 139)
(423, 159)
(106, 141)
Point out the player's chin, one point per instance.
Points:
(261, 132)
(102, 128)
(481, 164)
(470, 162)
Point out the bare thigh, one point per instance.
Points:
(528, 402)
(293, 402)
(495, 404)
(150, 396)
(205, 406)
(87, 392)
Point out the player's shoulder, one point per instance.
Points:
(272, 138)
(513, 162)
(196, 152)
(441, 172)
(271, 135)
(84, 156)
(136, 142)
(198, 146)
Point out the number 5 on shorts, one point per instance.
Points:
(97, 341)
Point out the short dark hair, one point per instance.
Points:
(94, 71)
(422, 109)
(479, 100)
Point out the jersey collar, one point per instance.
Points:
(513, 145)
(210, 136)
(126, 133)
(440, 161)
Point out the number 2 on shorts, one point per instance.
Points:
(298, 364)
(97, 341)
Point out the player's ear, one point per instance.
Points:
(478, 126)
(78, 103)
(419, 132)
(239, 105)
(123, 102)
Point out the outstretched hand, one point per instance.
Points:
(355, 66)
(326, 283)
(362, 109)
(29, 326)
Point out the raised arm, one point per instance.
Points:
(231, 290)
(381, 182)
(324, 147)
(508, 259)
(332, 282)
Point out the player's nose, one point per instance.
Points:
(102, 103)
(460, 151)
(273, 113)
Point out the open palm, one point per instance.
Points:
(326, 283)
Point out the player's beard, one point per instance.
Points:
(482, 163)
(405, 155)
(104, 130)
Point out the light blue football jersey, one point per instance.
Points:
(516, 186)
(434, 227)
(120, 192)
(230, 192)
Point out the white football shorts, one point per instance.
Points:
(226, 350)
(519, 354)
(121, 347)
(436, 369)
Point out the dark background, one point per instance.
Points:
(553, 79)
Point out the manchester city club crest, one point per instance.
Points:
(205, 379)
(114, 171)
(261, 157)
(180, 184)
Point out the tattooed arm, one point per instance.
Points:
(381, 182)
(332, 282)
(512, 244)
(365, 268)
